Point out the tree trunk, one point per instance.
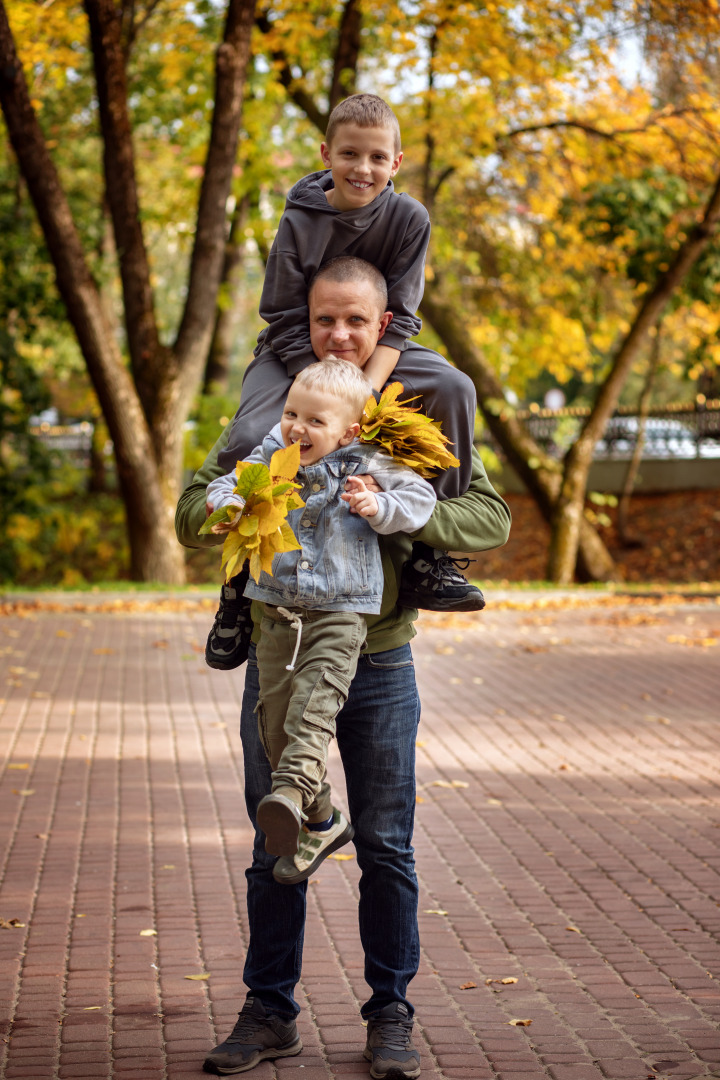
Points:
(634, 464)
(568, 516)
(217, 369)
(145, 414)
(539, 473)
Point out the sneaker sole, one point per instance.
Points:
(303, 875)
(397, 1072)
(466, 603)
(281, 828)
(224, 665)
(261, 1055)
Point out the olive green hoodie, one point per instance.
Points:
(476, 521)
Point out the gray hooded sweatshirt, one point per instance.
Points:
(392, 232)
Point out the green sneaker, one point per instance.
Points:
(313, 848)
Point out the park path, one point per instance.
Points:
(568, 849)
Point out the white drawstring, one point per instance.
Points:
(296, 624)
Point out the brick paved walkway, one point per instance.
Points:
(568, 829)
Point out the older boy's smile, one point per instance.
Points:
(362, 160)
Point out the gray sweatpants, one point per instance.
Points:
(297, 709)
(445, 394)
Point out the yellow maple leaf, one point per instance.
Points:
(405, 433)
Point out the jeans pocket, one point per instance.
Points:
(391, 659)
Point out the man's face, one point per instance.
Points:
(346, 320)
(362, 160)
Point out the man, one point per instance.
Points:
(376, 733)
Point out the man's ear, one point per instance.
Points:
(351, 432)
(385, 319)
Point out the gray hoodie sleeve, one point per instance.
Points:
(406, 502)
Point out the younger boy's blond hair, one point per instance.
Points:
(365, 110)
(343, 380)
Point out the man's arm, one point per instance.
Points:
(190, 512)
(476, 521)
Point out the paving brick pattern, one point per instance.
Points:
(568, 829)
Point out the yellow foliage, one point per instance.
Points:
(406, 434)
(258, 529)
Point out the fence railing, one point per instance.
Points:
(689, 430)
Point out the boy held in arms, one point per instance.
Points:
(315, 600)
(351, 209)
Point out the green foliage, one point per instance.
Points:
(63, 536)
(207, 420)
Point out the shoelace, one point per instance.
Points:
(246, 1025)
(394, 1034)
(448, 567)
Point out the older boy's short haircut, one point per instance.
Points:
(349, 268)
(343, 380)
(365, 110)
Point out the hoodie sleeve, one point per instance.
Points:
(283, 304)
(405, 278)
(406, 501)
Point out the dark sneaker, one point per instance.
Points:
(389, 1044)
(432, 580)
(256, 1037)
(313, 847)
(229, 640)
(280, 819)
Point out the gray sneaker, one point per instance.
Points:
(389, 1045)
(257, 1036)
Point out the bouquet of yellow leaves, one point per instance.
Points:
(406, 434)
(258, 529)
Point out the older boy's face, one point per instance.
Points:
(362, 160)
(346, 319)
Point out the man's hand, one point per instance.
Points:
(360, 500)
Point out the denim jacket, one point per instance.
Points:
(339, 567)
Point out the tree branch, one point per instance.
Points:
(590, 129)
(346, 53)
(106, 42)
(295, 91)
(195, 333)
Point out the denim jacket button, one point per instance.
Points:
(306, 521)
(305, 565)
(317, 487)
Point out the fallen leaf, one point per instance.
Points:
(18, 766)
(340, 856)
(419, 799)
(10, 924)
(23, 791)
(510, 979)
(520, 1023)
(169, 866)
(574, 929)
(81, 916)
(161, 644)
(197, 978)
(447, 784)
(559, 717)
(17, 670)
(563, 767)
(103, 652)
(148, 933)
(61, 633)
(493, 802)
(434, 911)
(92, 1008)
(467, 986)
(658, 719)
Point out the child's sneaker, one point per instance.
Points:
(229, 640)
(313, 848)
(280, 819)
(431, 580)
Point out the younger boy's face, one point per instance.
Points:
(362, 160)
(320, 422)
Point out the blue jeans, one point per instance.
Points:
(376, 732)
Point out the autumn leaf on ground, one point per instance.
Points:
(18, 765)
(574, 929)
(197, 978)
(10, 924)
(467, 986)
(507, 981)
(406, 434)
(520, 1023)
(434, 911)
(259, 529)
(148, 933)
